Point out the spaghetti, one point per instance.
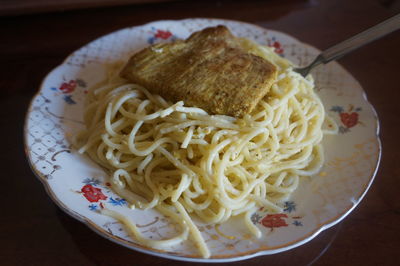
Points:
(185, 162)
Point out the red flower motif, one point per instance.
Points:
(278, 47)
(68, 87)
(93, 194)
(274, 220)
(349, 119)
(163, 34)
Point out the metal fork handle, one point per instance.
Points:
(367, 36)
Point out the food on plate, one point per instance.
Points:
(210, 70)
(194, 159)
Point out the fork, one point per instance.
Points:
(349, 45)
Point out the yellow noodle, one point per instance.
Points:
(184, 162)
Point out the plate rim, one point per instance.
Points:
(172, 255)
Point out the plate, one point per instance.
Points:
(80, 187)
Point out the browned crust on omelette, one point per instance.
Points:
(209, 70)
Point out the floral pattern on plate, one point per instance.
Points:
(81, 188)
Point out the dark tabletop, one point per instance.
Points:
(34, 231)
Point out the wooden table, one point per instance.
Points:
(33, 231)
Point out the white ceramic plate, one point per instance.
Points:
(80, 187)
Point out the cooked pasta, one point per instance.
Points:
(186, 163)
